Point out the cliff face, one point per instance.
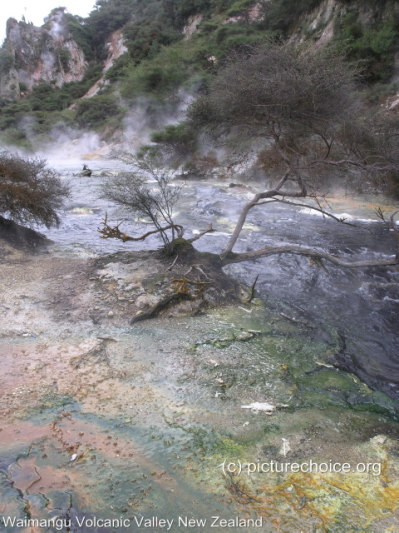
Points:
(115, 48)
(36, 55)
(319, 25)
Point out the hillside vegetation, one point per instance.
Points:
(182, 44)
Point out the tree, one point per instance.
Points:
(303, 107)
(155, 204)
(30, 192)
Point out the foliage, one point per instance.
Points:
(6, 61)
(145, 39)
(189, 62)
(92, 112)
(373, 47)
(44, 106)
(108, 17)
(30, 192)
(11, 113)
(120, 68)
(76, 89)
(281, 15)
(277, 91)
(188, 8)
(239, 8)
(81, 35)
(177, 138)
(162, 75)
(64, 56)
(45, 97)
(304, 108)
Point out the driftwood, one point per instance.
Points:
(160, 305)
(109, 232)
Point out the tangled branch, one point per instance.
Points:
(108, 232)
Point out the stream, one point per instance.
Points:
(188, 423)
(361, 304)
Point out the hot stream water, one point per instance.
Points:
(361, 304)
(132, 423)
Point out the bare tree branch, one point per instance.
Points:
(318, 209)
(255, 201)
(108, 232)
(209, 230)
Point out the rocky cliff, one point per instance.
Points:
(129, 51)
(33, 55)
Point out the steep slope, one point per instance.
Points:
(127, 49)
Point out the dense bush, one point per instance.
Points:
(30, 192)
(105, 19)
(44, 106)
(81, 35)
(144, 40)
(239, 8)
(280, 15)
(187, 8)
(120, 68)
(177, 138)
(46, 97)
(6, 61)
(373, 47)
(64, 56)
(163, 74)
(92, 112)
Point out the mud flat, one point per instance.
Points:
(235, 412)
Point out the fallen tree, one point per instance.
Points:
(305, 110)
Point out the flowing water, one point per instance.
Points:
(110, 427)
(361, 304)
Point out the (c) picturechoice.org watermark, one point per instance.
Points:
(308, 467)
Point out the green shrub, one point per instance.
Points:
(6, 61)
(281, 15)
(93, 112)
(373, 47)
(81, 35)
(239, 8)
(187, 8)
(157, 77)
(16, 137)
(145, 39)
(120, 68)
(178, 138)
(108, 17)
(64, 57)
(44, 97)
(11, 113)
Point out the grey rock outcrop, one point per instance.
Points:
(32, 55)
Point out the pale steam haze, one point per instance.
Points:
(35, 11)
